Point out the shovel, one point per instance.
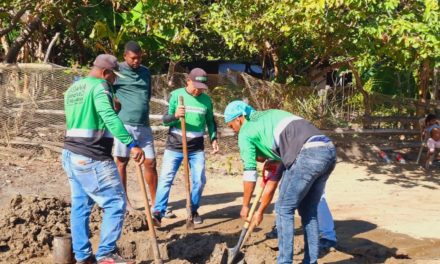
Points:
(189, 218)
(152, 231)
(249, 225)
(247, 229)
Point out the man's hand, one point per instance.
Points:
(258, 218)
(117, 105)
(214, 145)
(138, 155)
(180, 111)
(244, 212)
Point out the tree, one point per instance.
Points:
(355, 34)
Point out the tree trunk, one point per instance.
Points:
(436, 83)
(31, 27)
(424, 76)
(271, 50)
(366, 97)
(5, 44)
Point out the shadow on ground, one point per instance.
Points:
(361, 249)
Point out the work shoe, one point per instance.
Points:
(326, 243)
(325, 246)
(114, 258)
(197, 219)
(157, 219)
(273, 234)
(90, 260)
(169, 213)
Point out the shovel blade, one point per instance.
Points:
(232, 254)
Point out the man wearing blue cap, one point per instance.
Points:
(307, 158)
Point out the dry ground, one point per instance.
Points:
(383, 213)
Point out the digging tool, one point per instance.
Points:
(249, 225)
(245, 231)
(151, 229)
(189, 218)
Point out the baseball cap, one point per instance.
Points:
(199, 78)
(108, 62)
(237, 108)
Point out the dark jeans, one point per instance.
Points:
(301, 188)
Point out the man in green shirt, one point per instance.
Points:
(199, 115)
(134, 93)
(91, 125)
(307, 158)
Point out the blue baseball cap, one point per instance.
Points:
(237, 108)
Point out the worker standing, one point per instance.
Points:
(91, 124)
(134, 93)
(199, 115)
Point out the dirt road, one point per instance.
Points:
(383, 214)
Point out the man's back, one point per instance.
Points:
(90, 119)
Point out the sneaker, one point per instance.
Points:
(197, 219)
(157, 219)
(169, 213)
(273, 234)
(114, 258)
(326, 243)
(326, 246)
(90, 260)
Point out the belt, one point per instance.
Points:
(317, 141)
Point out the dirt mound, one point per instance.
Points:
(29, 225)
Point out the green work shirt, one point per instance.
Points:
(274, 134)
(91, 121)
(199, 115)
(134, 93)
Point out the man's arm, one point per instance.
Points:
(170, 118)
(269, 191)
(113, 123)
(248, 156)
(212, 128)
(210, 122)
(107, 113)
(248, 190)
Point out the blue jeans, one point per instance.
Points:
(301, 188)
(92, 181)
(170, 164)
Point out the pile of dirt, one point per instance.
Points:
(29, 225)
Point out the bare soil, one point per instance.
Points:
(384, 213)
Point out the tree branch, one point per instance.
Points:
(14, 21)
(11, 56)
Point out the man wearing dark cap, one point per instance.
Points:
(134, 93)
(91, 124)
(198, 113)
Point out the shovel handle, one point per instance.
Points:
(186, 169)
(152, 231)
(254, 206)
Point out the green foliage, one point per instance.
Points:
(391, 38)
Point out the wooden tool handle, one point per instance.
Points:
(152, 231)
(254, 206)
(185, 164)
